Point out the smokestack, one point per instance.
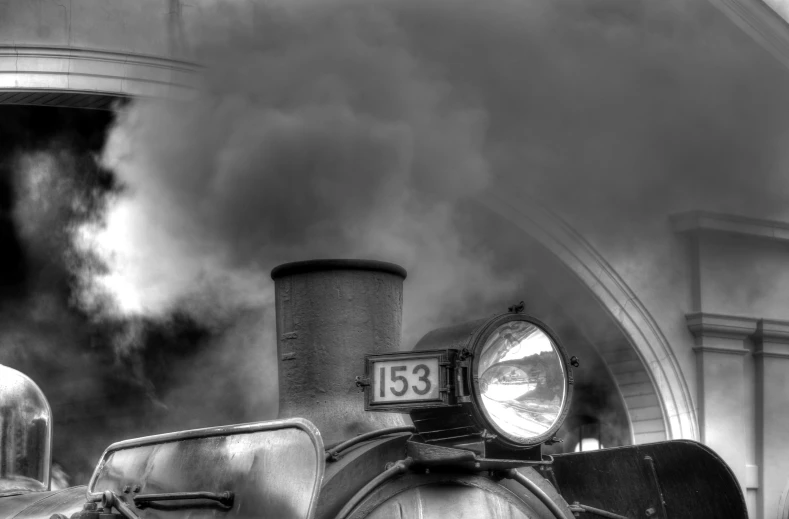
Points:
(330, 313)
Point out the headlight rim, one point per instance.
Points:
(477, 342)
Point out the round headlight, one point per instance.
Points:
(509, 389)
(521, 380)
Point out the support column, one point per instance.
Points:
(721, 346)
(771, 354)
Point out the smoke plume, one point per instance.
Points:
(356, 129)
(365, 129)
(327, 137)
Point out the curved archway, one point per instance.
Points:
(647, 372)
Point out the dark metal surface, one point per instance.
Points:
(224, 498)
(392, 470)
(110, 502)
(358, 465)
(56, 98)
(576, 507)
(457, 495)
(688, 477)
(274, 469)
(427, 456)
(333, 453)
(534, 489)
(42, 505)
(330, 314)
(25, 433)
(305, 267)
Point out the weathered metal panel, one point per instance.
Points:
(330, 314)
(65, 502)
(12, 503)
(273, 469)
(354, 469)
(677, 479)
(456, 495)
(457, 502)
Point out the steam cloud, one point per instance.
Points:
(327, 137)
(365, 129)
(353, 129)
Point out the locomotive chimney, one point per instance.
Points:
(330, 313)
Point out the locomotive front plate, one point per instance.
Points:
(404, 381)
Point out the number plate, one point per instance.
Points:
(399, 382)
(405, 380)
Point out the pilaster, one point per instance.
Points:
(721, 344)
(771, 355)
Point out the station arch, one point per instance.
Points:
(647, 374)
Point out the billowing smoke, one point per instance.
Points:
(365, 129)
(361, 129)
(327, 137)
(356, 128)
(107, 378)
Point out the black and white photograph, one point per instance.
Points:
(408, 259)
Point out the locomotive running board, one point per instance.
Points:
(678, 479)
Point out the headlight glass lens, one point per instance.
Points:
(522, 380)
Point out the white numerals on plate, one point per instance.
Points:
(405, 380)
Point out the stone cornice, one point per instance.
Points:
(23, 51)
(714, 349)
(761, 23)
(772, 339)
(703, 221)
(770, 336)
(96, 71)
(772, 330)
(724, 326)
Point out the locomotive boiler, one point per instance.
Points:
(453, 427)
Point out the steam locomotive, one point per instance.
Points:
(452, 428)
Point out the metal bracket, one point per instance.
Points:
(517, 309)
(362, 382)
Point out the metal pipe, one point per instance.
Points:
(224, 498)
(576, 507)
(395, 469)
(333, 453)
(330, 313)
(537, 491)
(109, 501)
